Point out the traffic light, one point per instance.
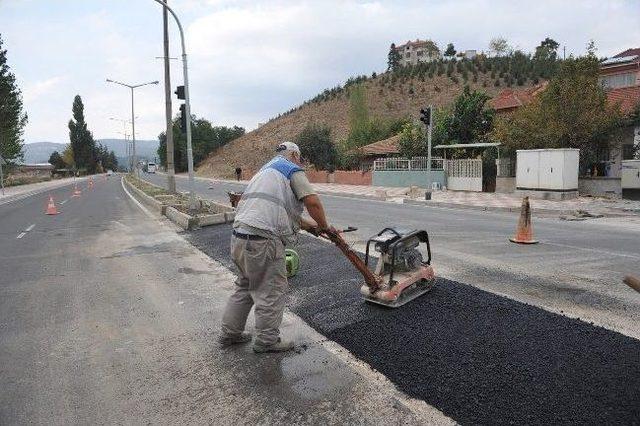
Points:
(183, 118)
(425, 116)
(179, 92)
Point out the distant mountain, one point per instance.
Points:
(39, 152)
(145, 149)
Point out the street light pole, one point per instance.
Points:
(192, 192)
(133, 119)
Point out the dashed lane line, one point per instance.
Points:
(20, 235)
(30, 228)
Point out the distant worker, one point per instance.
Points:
(267, 218)
(238, 173)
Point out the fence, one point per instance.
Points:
(470, 168)
(415, 163)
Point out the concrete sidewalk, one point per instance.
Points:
(475, 200)
(12, 193)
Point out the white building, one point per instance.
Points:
(413, 52)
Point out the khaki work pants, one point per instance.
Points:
(263, 282)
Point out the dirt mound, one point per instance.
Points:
(385, 100)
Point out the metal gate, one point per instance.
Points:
(464, 175)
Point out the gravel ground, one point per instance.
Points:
(478, 357)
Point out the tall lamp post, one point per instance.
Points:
(133, 119)
(192, 192)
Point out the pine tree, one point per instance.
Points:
(12, 117)
(451, 51)
(393, 62)
(81, 139)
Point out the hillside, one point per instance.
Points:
(39, 152)
(386, 98)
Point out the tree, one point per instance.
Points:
(205, 139)
(591, 48)
(499, 46)
(450, 51)
(545, 58)
(316, 146)
(12, 117)
(571, 113)
(67, 157)
(81, 139)
(547, 50)
(56, 160)
(468, 120)
(412, 141)
(393, 61)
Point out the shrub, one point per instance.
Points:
(316, 145)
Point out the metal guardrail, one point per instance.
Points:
(415, 163)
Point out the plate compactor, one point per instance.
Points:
(401, 274)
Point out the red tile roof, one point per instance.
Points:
(626, 97)
(383, 147)
(628, 52)
(510, 99)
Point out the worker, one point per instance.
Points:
(267, 218)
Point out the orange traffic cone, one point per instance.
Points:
(51, 206)
(90, 184)
(524, 232)
(76, 191)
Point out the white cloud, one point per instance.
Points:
(250, 60)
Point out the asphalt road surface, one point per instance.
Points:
(478, 357)
(576, 270)
(108, 316)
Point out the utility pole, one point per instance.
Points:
(171, 179)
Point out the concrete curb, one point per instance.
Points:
(145, 199)
(183, 220)
(432, 203)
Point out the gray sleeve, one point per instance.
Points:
(301, 186)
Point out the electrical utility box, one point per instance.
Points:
(548, 173)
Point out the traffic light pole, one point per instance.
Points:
(192, 192)
(429, 145)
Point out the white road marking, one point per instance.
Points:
(610, 253)
(143, 208)
(20, 235)
(30, 228)
(62, 202)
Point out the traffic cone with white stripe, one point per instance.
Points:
(76, 191)
(51, 206)
(90, 184)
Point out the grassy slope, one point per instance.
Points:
(254, 148)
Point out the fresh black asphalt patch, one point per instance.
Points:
(478, 357)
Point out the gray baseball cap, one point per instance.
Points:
(288, 146)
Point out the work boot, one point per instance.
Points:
(226, 340)
(279, 346)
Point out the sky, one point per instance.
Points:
(250, 60)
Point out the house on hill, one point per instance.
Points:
(413, 52)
